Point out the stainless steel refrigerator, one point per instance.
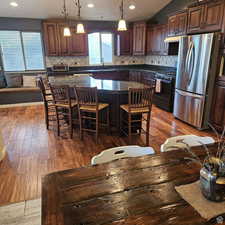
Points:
(196, 72)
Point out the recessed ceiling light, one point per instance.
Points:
(90, 5)
(14, 4)
(132, 7)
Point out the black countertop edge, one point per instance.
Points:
(93, 69)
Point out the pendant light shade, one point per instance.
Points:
(66, 32)
(122, 26)
(80, 28)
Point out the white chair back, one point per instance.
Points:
(192, 140)
(120, 153)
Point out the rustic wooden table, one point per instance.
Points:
(134, 191)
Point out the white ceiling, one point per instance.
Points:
(103, 10)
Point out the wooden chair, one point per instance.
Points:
(120, 153)
(64, 106)
(139, 103)
(49, 108)
(89, 109)
(192, 140)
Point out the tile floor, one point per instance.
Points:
(23, 213)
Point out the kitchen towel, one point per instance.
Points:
(158, 86)
(192, 194)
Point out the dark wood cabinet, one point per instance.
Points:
(139, 38)
(112, 75)
(78, 44)
(213, 16)
(64, 42)
(218, 107)
(51, 39)
(124, 43)
(207, 17)
(177, 24)
(155, 40)
(181, 23)
(172, 26)
(58, 45)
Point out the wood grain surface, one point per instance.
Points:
(128, 191)
(33, 152)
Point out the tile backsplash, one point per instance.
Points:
(170, 61)
(84, 61)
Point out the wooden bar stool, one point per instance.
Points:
(64, 107)
(49, 108)
(139, 103)
(89, 109)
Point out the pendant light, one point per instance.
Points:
(122, 26)
(66, 30)
(80, 25)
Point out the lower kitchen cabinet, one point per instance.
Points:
(112, 75)
(218, 106)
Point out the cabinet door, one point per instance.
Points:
(78, 44)
(195, 19)
(150, 40)
(139, 35)
(172, 26)
(164, 45)
(213, 16)
(64, 42)
(181, 23)
(51, 39)
(124, 43)
(218, 107)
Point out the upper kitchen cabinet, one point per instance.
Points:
(64, 42)
(177, 24)
(124, 43)
(139, 38)
(207, 17)
(78, 44)
(51, 39)
(58, 45)
(155, 40)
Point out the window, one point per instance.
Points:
(21, 50)
(100, 48)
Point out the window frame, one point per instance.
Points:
(100, 41)
(24, 58)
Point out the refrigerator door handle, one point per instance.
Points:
(183, 93)
(187, 60)
(191, 63)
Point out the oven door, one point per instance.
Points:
(165, 98)
(189, 107)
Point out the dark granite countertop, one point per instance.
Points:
(96, 69)
(102, 85)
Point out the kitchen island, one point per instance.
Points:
(115, 93)
(138, 73)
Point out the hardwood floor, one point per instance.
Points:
(32, 151)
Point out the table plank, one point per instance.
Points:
(129, 191)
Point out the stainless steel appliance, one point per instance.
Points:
(196, 71)
(60, 68)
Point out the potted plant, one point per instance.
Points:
(212, 173)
